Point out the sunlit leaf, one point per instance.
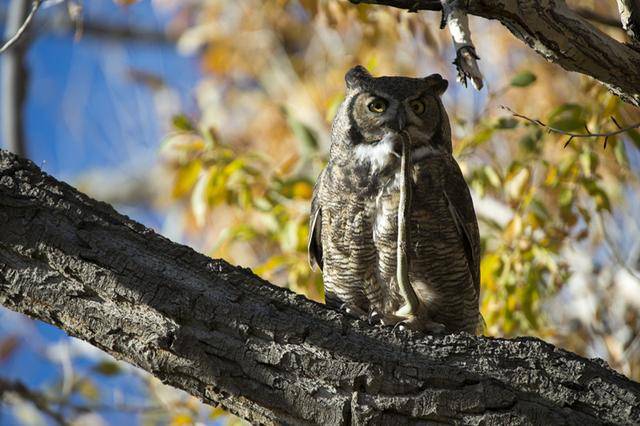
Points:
(182, 419)
(217, 412)
(523, 79)
(492, 176)
(619, 150)
(186, 178)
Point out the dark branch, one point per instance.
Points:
(37, 399)
(411, 5)
(630, 17)
(609, 21)
(560, 35)
(270, 356)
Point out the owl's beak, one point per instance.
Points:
(400, 121)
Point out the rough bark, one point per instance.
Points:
(270, 356)
(630, 17)
(560, 35)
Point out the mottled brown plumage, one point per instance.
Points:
(355, 208)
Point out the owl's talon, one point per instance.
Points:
(374, 317)
(421, 325)
(353, 311)
(400, 326)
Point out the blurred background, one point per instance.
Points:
(208, 120)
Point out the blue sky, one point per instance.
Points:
(84, 112)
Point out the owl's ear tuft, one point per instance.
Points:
(437, 83)
(356, 75)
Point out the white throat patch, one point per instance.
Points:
(378, 155)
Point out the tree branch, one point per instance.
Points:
(630, 17)
(14, 77)
(561, 36)
(268, 355)
(9, 386)
(411, 5)
(609, 21)
(572, 135)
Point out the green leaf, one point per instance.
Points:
(182, 122)
(107, 368)
(506, 123)
(567, 117)
(492, 176)
(620, 151)
(529, 142)
(304, 134)
(523, 79)
(598, 194)
(635, 137)
(566, 196)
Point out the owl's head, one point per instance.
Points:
(377, 109)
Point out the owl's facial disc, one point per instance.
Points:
(382, 121)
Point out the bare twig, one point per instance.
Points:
(589, 134)
(14, 39)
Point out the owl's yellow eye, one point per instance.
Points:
(417, 107)
(378, 105)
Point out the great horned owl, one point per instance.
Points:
(354, 226)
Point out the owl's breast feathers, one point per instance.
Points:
(354, 233)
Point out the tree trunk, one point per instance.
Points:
(265, 354)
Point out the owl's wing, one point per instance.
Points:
(464, 216)
(315, 227)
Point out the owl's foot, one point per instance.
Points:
(422, 325)
(353, 311)
(376, 317)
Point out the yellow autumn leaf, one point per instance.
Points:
(302, 189)
(185, 179)
(181, 419)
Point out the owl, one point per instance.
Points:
(356, 199)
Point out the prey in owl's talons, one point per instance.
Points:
(467, 66)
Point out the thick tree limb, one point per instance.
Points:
(560, 35)
(266, 354)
